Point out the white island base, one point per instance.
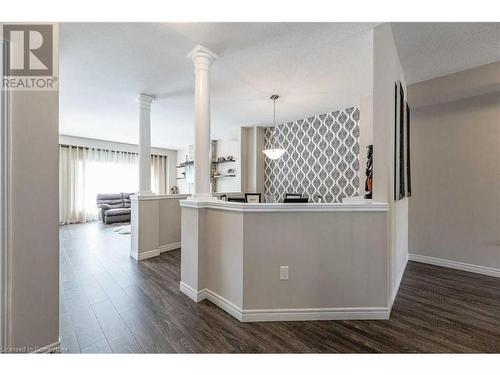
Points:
(336, 254)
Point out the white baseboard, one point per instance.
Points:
(348, 313)
(268, 315)
(155, 252)
(495, 272)
(224, 304)
(51, 348)
(172, 246)
(191, 293)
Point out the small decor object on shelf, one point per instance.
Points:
(230, 158)
(222, 158)
(369, 173)
(174, 190)
(230, 171)
(270, 198)
(252, 197)
(319, 199)
(223, 197)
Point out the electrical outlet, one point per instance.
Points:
(283, 272)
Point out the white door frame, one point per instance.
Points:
(5, 213)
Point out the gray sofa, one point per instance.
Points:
(114, 208)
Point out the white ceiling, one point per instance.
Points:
(429, 50)
(314, 67)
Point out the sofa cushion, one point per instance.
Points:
(117, 211)
(108, 197)
(126, 199)
(112, 200)
(117, 219)
(111, 204)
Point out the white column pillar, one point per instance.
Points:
(145, 143)
(202, 59)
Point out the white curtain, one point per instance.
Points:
(109, 172)
(159, 174)
(84, 173)
(72, 185)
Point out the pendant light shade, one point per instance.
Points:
(274, 151)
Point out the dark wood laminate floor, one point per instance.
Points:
(110, 303)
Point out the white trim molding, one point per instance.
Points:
(488, 271)
(155, 252)
(5, 211)
(69, 140)
(301, 314)
(394, 291)
(223, 303)
(286, 207)
(347, 313)
(190, 292)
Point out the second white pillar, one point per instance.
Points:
(145, 102)
(202, 59)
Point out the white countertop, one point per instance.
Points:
(286, 207)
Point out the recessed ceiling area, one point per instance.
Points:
(428, 50)
(314, 67)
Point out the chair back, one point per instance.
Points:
(296, 200)
(236, 199)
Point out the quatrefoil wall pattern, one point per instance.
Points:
(321, 158)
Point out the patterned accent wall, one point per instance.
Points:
(321, 158)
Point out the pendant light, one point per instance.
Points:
(274, 151)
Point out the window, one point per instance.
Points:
(108, 177)
(84, 173)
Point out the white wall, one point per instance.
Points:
(469, 83)
(32, 299)
(455, 207)
(235, 144)
(255, 160)
(182, 184)
(387, 70)
(223, 260)
(331, 265)
(226, 147)
(155, 225)
(34, 208)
